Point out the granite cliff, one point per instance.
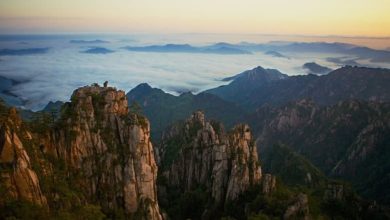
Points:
(347, 140)
(18, 178)
(98, 150)
(197, 155)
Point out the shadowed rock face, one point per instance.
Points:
(298, 209)
(205, 156)
(348, 140)
(17, 175)
(259, 88)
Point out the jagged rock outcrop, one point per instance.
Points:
(17, 175)
(348, 140)
(111, 148)
(299, 209)
(198, 153)
(269, 184)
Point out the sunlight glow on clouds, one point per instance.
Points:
(314, 17)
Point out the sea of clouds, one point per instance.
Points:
(54, 75)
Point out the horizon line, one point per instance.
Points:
(195, 33)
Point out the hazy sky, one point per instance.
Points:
(306, 17)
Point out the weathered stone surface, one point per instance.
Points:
(299, 209)
(245, 170)
(111, 148)
(226, 165)
(269, 183)
(17, 174)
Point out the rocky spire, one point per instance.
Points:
(226, 164)
(17, 175)
(99, 138)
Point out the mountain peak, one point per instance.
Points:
(140, 89)
(257, 73)
(143, 86)
(96, 98)
(198, 116)
(315, 68)
(259, 68)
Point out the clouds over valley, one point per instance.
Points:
(53, 73)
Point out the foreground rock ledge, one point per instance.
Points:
(104, 146)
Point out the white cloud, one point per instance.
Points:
(54, 76)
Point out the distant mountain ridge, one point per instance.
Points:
(273, 48)
(186, 48)
(348, 140)
(98, 50)
(276, 54)
(315, 68)
(342, 84)
(163, 108)
(22, 52)
(88, 41)
(257, 87)
(245, 83)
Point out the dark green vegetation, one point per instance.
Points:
(61, 186)
(310, 131)
(323, 131)
(256, 205)
(343, 139)
(64, 187)
(292, 168)
(298, 180)
(345, 83)
(162, 109)
(349, 140)
(190, 204)
(241, 89)
(255, 88)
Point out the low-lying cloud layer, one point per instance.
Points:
(53, 75)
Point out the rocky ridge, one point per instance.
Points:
(199, 154)
(105, 149)
(17, 177)
(347, 140)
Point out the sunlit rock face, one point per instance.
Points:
(17, 175)
(111, 148)
(105, 150)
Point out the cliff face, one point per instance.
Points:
(105, 150)
(17, 176)
(348, 140)
(199, 154)
(111, 148)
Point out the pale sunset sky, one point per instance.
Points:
(305, 17)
